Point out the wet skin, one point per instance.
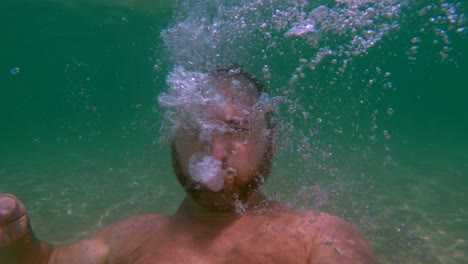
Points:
(267, 233)
(234, 225)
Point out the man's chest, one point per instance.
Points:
(254, 245)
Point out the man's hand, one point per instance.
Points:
(13, 220)
(17, 241)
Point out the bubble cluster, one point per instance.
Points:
(442, 22)
(221, 33)
(258, 34)
(193, 99)
(207, 171)
(189, 92)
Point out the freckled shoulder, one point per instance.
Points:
(135, 224)
(136, 220)
(337, 241)
(127, 235)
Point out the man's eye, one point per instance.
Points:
(239, 126)
(240, 129)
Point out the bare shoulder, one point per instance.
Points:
(103, 245)
(134, 222)
(336, 241)
(136, 227)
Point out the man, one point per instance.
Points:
(222, 143)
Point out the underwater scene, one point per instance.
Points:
(369, 98)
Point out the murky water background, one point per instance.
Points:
(370, 98)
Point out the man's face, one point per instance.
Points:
(222, 147)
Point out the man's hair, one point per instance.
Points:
(264, 168)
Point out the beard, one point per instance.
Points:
(228, 197)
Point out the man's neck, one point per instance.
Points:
(193, 209)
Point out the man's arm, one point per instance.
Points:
(18, 243)
(92, 250)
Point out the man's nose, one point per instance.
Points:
(219, 148)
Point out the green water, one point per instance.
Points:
(80, 128)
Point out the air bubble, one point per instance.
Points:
(305, 29)
(390, 111)
(15, 70)
(386, 134)
(416, 40)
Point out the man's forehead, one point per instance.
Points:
(230, 110)
(236, 90)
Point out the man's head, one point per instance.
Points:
(223, 136)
